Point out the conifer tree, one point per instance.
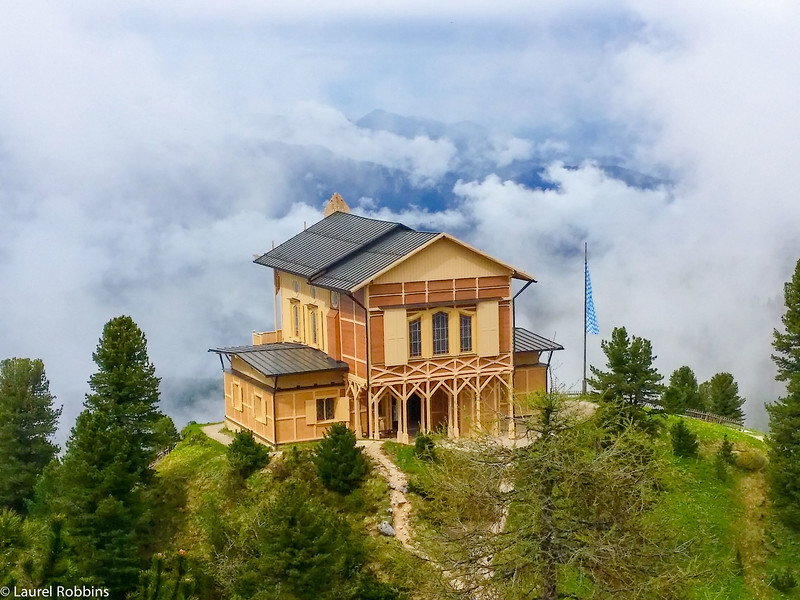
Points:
(340, 464)
(682, 392)
(684, 441)
(27, 422)
(631, 376)
(784, 422)
(630, 382)
(100, 483)
(723, 396)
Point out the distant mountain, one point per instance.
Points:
(316, 172)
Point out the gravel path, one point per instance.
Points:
(214, 431)
(398, 483)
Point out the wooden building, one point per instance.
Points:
(388, 329)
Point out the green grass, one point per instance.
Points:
(734, 545)
(404, 457)
(197, 503)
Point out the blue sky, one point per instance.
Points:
(148, 151)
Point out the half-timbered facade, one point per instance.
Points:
(388, 329)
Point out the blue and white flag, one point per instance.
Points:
(591, 317)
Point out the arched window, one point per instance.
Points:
(441, 343)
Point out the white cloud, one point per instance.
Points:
(138, 174)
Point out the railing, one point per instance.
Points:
(267, 337)
(711, 418)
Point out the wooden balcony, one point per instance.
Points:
(267, 337)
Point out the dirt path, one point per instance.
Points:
(214, 431)
(752, 489)
(398, 482)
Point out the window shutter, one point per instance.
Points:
(341, 411)
(395, 336)
(488, 328)
(311, 412)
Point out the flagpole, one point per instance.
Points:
(585, 259)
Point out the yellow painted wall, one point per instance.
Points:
(530, 379)
(306, 297)
(443, 259)
(248, 406)
(237, 364)
(296, 413)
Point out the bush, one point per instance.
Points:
(340, 464)
(246, 456)
(722, 458)
(684, 442)
(424, 447)
(725, 451)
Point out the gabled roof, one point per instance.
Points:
(344, 251)
(527, 341)
(284, 358)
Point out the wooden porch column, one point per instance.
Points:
(478, 401)
(512, 426)
(456, 428)
(402, 426)
(376, 434)
(428, 406)
(357, 412)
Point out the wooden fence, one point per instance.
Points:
(702, 416)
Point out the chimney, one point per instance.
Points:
(336, 204)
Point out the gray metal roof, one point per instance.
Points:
(527, 341)
(362, 265)
(284, 358)
(343, 251)
(329, 244)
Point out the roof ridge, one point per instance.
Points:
(364, 248)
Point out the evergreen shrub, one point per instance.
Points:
(684, 441)
(340, 464)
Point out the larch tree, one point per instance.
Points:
(784, 415)
(28, 421)
(533, 521)
(106, 468)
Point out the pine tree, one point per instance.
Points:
(631, 376)
(630, 382)
(784, 444)
(27, 422)
(682, 392)
(245, 457)
(340, 464)
(723, 396)
(684, 441)
(100, 483)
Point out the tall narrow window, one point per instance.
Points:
(415, 338)
(296, 316)
(465, 322)
(440, 338)
(312, 318)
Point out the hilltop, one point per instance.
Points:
(740, 550)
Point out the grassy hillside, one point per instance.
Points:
(202, 515)
(722, 513)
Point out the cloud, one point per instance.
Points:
(148, 150)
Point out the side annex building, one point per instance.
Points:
(387, 329)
